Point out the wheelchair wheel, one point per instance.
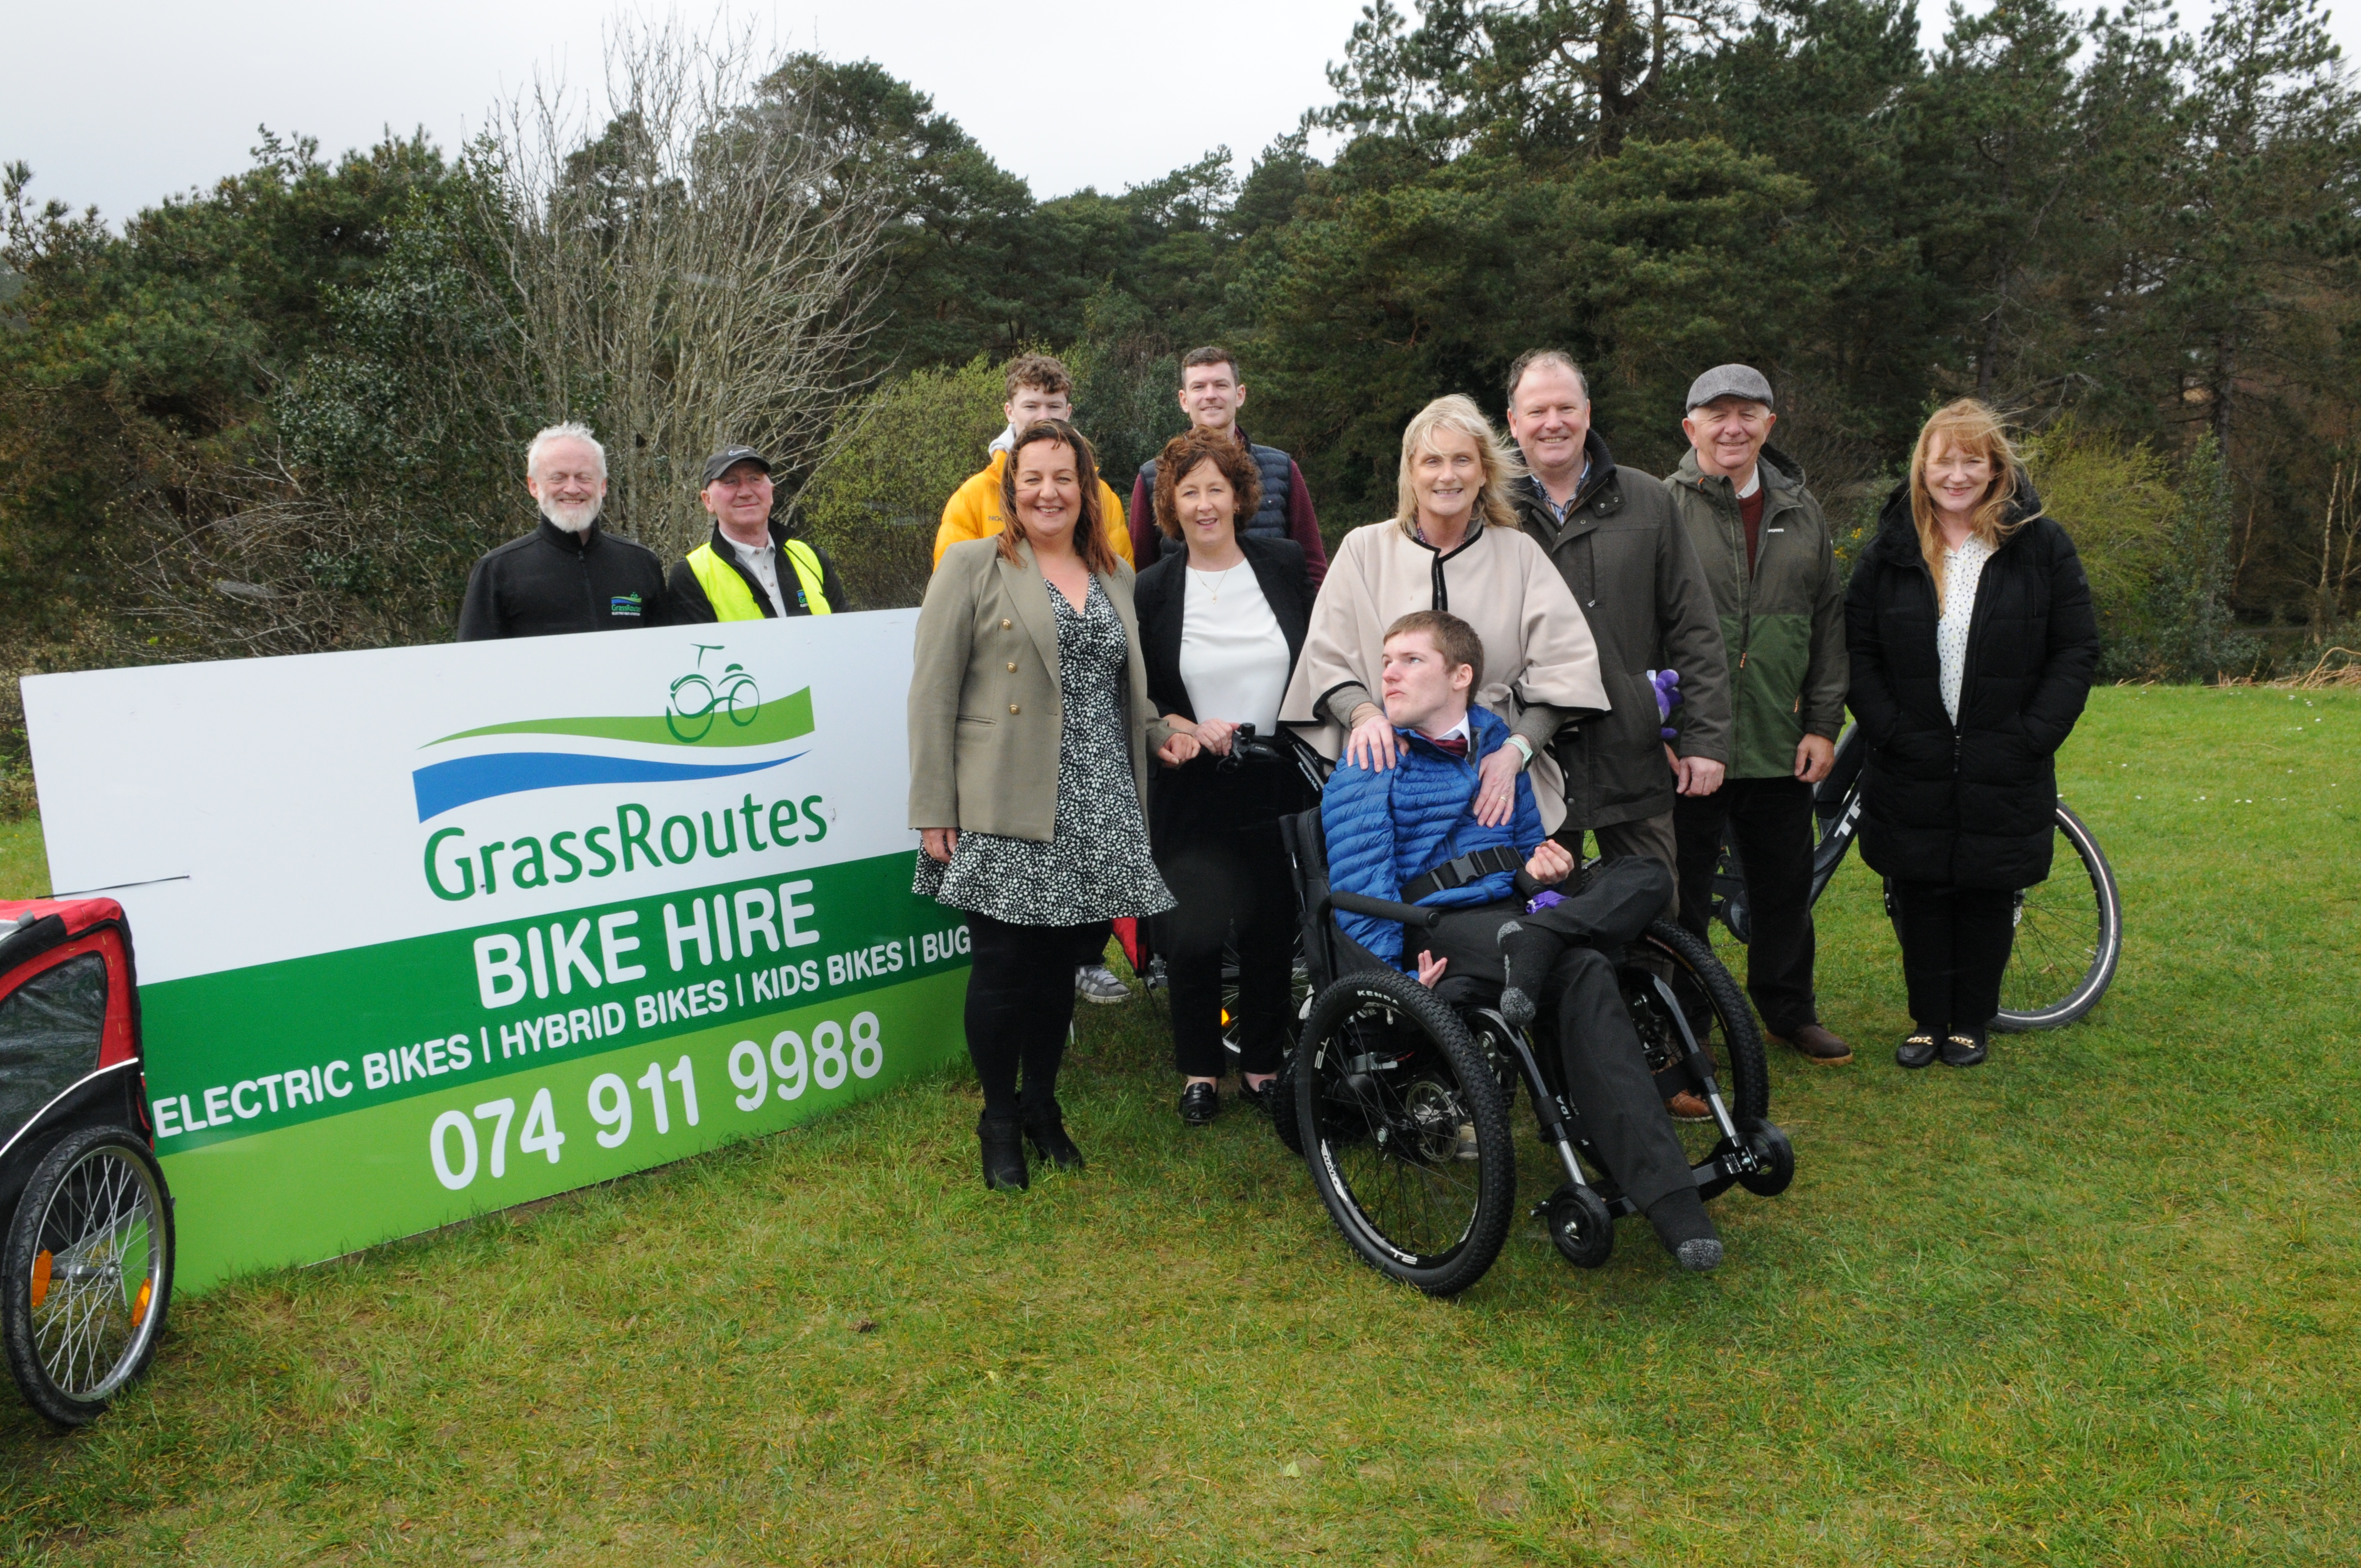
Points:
(1777, 1155)
(88, 1273)
(1580, 1226)
(1719, 1018)
(1405, 1131)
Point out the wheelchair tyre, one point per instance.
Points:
(1735, 1046)
(1405, 1131)
(1580, 1227)
(88, 1276)
(1777, 1155)
(1281, 1098)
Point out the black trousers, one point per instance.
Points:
(1091, 938)
(1223, 882)
(1583, 1019)
(1020, 1002)
(1955, 943)
(1770, 821)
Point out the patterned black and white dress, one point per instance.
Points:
(1096, 865)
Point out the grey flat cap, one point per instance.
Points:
(1730, 381)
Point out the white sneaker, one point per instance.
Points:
(1096, 982)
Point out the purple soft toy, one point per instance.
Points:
(1668, 696)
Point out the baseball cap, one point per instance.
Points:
(1730, 381)
(721, 462)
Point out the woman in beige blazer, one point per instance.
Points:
(1453, 544)
(1029, 733)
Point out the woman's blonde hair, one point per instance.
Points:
(1975, 429)
(1501, 466)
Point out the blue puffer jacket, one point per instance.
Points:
(1388, 829)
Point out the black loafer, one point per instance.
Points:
(1965, 1050)
(1916, 1051)
(1199, 1103)
(1257, 1095)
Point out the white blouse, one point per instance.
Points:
(1962, 569)
(1232, 655)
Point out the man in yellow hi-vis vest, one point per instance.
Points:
(749, 569)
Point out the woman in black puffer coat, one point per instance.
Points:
(1972, 643)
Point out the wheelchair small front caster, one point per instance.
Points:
(1580, 1227)
(1775, 1160)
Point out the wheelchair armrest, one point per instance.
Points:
(1418, 915)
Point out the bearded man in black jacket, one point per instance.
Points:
(570, 574)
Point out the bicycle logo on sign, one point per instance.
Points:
(695, 698)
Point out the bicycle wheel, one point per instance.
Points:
(1717, 1016)
(1405, 1131)
(2070, 937)
(89, 1273)
(699, 719)
(741, 700)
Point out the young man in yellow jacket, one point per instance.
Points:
(1038, 388)
(749, 569)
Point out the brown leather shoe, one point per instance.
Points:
(1817, 1045)
(1688, 1107)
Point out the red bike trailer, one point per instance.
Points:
(86, 1252)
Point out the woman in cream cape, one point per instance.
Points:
(1453, 544)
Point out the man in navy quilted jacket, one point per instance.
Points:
(1408, 833)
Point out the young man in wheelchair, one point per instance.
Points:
(1410, 834)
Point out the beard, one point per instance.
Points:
(574, 519)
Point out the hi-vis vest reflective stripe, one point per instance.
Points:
(733, 600)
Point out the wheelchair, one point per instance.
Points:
(1398, 1097)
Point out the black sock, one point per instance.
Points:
(1685, 1229)
(1527, 954)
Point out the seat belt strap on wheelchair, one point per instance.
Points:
(1460, 872)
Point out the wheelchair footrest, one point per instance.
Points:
(1727, 1163)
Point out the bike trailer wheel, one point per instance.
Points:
(88, 1273)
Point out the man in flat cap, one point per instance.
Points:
(749, 569)
(570, 574)
(1772, 566)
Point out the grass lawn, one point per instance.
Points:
(24, 861)
(2094, 1302)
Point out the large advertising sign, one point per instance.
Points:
(426, 932)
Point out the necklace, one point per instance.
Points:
(1216, 581)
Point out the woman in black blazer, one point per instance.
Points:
(1972, 643)
(1220, 628)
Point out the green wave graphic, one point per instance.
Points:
(782, 718)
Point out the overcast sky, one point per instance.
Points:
(124, 102)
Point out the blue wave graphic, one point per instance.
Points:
(446, 785)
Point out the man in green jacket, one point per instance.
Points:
(1613, 536)
(1772, 567)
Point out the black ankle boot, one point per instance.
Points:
(1527, 953)
(1003, 1154)
(1046, 1125)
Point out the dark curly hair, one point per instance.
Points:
(1090, 529)
(1180, 459)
